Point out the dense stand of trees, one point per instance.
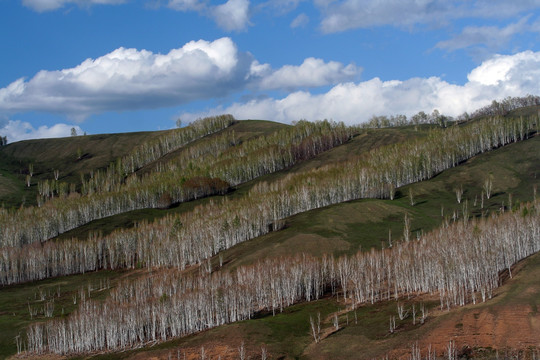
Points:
(461, 262)
(192, 237)
(241, 163)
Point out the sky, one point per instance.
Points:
(105, 66)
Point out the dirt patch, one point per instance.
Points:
(208, 351)
(37, 357)
(513, 327)
(508, 321)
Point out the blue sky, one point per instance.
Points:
(106, 66)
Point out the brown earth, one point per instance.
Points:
(498, 327)
(508, 322)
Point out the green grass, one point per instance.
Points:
(247, 129)
(363, 224)
(243, 130)
(47, 155)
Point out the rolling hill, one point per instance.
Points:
(244, 239)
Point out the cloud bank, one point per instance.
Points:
(311, 73)
(490, 37)
(16, 130)
(131, 79)
(343, 15)
(353, 103)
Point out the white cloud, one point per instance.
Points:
(186, 5)
(300, 21)
(232, 15)
(515, 73)
(16, 130)
(350, 14)
(490, 36)
(312, 73)
(131, 79)
(499, 77)
(49, 5)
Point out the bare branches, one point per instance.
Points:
(487, 186)
(336, 322)
(392, 324)
(411, 197)
(459, 193)
(402, 314)
(315, 325)
(406, 228)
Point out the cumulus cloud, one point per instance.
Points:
(491, 37)
(349, 14)
(232, 15)
(499, 77)
(300, 21)
(131, 79)
(16, 130)
(312, 73)
(49, 5)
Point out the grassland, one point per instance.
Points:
(72, 156)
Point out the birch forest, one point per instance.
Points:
(190, 238)
(253, 185)
(461, 262)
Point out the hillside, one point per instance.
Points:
(289, 197)
(71, 156)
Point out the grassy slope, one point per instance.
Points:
(243, 131)
(368, 140)
(508, 321)
(49, 154)
(344, 228)
(17, 300)
(362, 224)
(339, 229)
